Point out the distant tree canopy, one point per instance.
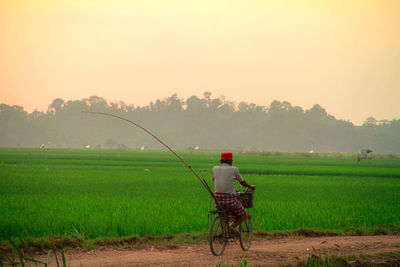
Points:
(210, 123)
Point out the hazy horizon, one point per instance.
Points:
(44, 109)
(342, 55)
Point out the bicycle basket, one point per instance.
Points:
(247, 198)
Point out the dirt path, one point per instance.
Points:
(262, 253)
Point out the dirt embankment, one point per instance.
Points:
(276, 252)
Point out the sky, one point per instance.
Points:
(342, 55)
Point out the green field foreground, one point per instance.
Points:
(116, 193)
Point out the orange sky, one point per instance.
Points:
(343, 55)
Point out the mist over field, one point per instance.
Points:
(206, 122)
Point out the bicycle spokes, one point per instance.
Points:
(246, 234)
(218, 236)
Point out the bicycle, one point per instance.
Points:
(220, 233)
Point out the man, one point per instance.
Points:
(225, 177)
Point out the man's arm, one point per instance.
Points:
(244, 183)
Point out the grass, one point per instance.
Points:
(332, 260)
(20, 254)
(98, 194)
(380, 259)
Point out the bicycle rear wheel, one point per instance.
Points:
(218, 234)
(246, 234)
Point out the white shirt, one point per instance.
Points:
(225, 177)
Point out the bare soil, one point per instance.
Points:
(276, 252)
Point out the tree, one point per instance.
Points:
(195, 104)
(174, 103)
(370, 121)
(56, 105)
(318, 112)
(211, 123)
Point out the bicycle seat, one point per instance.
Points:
(226, 208)
(221, 209)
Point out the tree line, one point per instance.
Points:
(207, 122)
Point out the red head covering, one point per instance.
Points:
(226, 155)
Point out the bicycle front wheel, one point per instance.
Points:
(246, 234)
(218, 234)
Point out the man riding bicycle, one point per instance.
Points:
(225, 177)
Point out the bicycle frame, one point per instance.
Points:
(222, 212)
(220, 232)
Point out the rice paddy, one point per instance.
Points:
(114, 193)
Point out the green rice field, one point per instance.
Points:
(114, 193)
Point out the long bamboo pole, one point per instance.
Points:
(202, 180)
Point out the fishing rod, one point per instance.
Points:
(202, 180)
